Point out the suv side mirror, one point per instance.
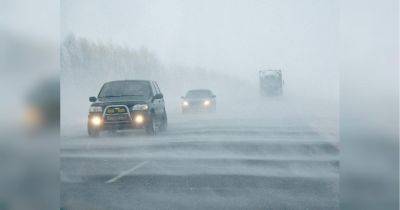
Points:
(158, 96)
(92, 99)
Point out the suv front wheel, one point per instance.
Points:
(164, 123)
(151, 128)
(93, 132)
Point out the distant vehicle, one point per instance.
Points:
(271, 82)
(42, 111)
(199, 100)
(127, 104)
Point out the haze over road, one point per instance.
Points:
(273, 158)
(253, 153)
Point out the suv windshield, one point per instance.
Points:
(198, 94)
(137, 90)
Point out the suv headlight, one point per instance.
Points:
(140, 107)
(95, 109)
(207, 102)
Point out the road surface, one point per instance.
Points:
(264, 158)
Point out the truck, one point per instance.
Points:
(271, 82)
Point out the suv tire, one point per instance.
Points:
(93, 132)
(151, 128)
(164, 123)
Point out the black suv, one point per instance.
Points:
(127, 104)
(199, 100)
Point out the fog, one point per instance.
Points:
(230, 36)
(216, 45)
(253, 153)
(223, 43)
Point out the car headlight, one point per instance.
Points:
(139, 119)
(185, 103)
(207, 103)
(33, 117)
(96, 120)
(95, 109)
(140, 107)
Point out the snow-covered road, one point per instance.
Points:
(277, 158)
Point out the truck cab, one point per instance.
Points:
(271, 82)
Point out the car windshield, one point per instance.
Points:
(198, 94)
(137, 90)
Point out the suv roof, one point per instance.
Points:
(205, 90)
(141, 89)
(130, 80)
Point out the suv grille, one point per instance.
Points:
(116, 110)
(117, 114)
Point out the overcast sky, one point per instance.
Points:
(223, 35)
(37, 19)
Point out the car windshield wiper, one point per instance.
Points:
(132, 95)
(109, 96)
(112, 96)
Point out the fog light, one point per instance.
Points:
(139, 119)
(96, 120)
(185, 103)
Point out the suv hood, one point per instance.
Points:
(196, 99)
(128, 103)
